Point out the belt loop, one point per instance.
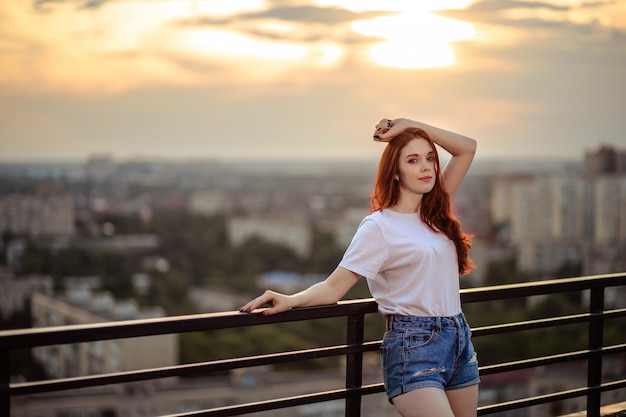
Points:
(438, 323)
(389, 322)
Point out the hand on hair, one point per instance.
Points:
(387, 129)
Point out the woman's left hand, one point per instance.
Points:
(387, 129)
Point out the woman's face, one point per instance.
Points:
(416, 167)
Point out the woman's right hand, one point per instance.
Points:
(328, 291)
(279, 303)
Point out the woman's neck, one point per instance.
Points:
(408, 203)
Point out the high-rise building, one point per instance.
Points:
(567, 219)
(606, 160)
(546, 223)
(606, 251)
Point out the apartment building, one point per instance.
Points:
(209, 202)
(293, 233)
(545, 217)
(37, 215)
(82, 305)
(606, 251)
(16, 291)
(559, 219)
(606, 160)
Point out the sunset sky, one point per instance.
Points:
(306, 79)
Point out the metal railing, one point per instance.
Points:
(353, 349)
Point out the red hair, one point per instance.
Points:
(435, 209)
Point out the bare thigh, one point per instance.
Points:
(423, 402)
(464, 401)
(435, 402)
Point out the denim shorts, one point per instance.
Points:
(419, 352)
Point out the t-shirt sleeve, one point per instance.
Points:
(367, 252)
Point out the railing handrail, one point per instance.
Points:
(79, 333)
(354, 348)
(543, 287)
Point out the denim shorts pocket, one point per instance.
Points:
(418, 338)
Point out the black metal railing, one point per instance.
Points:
(353, 349)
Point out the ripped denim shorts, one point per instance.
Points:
(419, 352)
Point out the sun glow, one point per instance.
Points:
(119, 45)
(414, 39)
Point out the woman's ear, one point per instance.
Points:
(396, 178)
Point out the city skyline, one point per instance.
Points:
(304, 79)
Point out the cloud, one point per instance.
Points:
(216, 77)
(290, 23)
(307, 14)
(515, 36)
(83, 4)
(490, 6)
(526, 14)
(133, 44)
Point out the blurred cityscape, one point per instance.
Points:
(115, 240)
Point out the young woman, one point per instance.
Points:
(412, 251)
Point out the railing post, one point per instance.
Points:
(594, 363)
(5, 379)
(354, 363)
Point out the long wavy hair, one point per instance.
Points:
(435, 209)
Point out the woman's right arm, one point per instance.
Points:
(329, 291)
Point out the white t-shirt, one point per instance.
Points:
(410, 270)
